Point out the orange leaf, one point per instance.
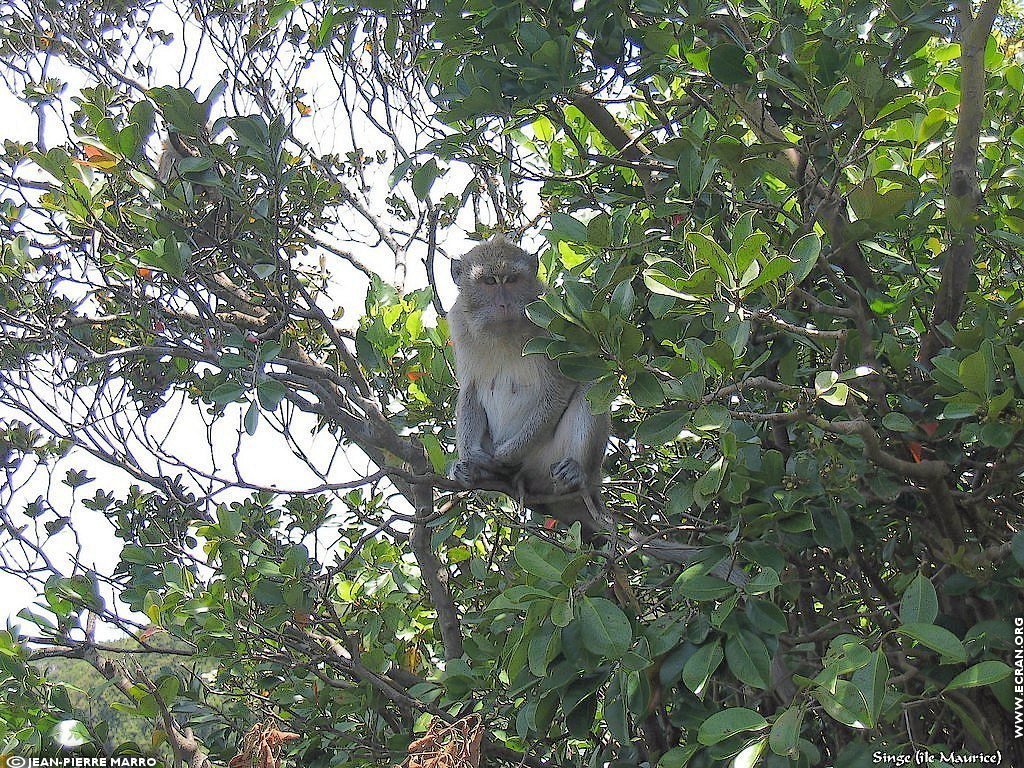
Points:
(550, 523)
(915, 450)
(929, 427)
(98, 158)
(275, 737)
(415, 375)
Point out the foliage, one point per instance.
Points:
(784, 242)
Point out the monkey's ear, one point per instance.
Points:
(457, 270)
(534, 262)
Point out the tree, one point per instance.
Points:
(783, 239)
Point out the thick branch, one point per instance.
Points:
(617, 136)
(435, 575)
(964, 193)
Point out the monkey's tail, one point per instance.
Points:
(598, 527)
(683, 554)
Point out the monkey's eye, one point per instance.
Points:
(490, 279)
(511, 278)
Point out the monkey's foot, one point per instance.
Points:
(567, 475)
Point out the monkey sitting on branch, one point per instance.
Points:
(521, 425)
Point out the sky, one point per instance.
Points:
(261, 457)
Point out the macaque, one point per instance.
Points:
(176, 148)
(519, 420)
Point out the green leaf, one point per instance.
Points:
(623, 299)
(194, 164)
(534, 557)
(228, 392)
(295, 560)
(689, 168)
(229, 522)
(1017, 547)
(727, 64)
(423, 179)
(268, 351)
(646, 390)
(232, 361)
(74, 733)
(784, 738)
(566, 227)
(662, 427)
(544, 646)
(252, 418)
(399, 173)
(1017, 356)
(748, 659)
(583, 367)
(742, 229)
(837, 395)
(983, 673)
(897, 422)
(846, 705)
(764, 582)
(561, 613)
(164, 255)
(919, 605)
(701, 665)
(599, 230)
(959, 410)
(694, 586)
(938, 639)
(251, 130)
(765, 616)
(709, 252)
(749, 250)
(721, 725)
(434, 451)
(678, 757)
(870, 681)
(804, 255)
(976, 374)
(605, 628)
(710, 483)
(773, 270)
(824, 381)
(270, 392)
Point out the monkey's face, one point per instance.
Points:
(496, 281)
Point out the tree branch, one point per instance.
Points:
(964, 193)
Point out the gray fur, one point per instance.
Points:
(519, 421)
(518, 418)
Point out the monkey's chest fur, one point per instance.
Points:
(509, 388)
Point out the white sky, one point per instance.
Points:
(264, 457)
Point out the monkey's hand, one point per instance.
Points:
(475, 466)
(567, 475)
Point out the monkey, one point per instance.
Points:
(518, 418)
(175, 148)
(172, 151)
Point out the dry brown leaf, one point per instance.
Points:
(455, 745)
(260, 747)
